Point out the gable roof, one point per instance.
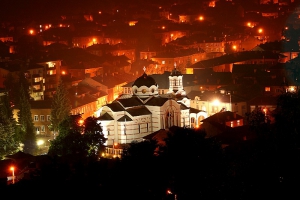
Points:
(138, 110)
(124, 118)
(223, 117)
(105, 117)
(129, 102)
(156, 101)
(115, 106)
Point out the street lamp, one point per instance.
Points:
(12, 168)
(234, 47)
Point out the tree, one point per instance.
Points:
(18, 90)
(9, 139)
(61, 107)
(26, 123)
(85, 140)
(195, 164)
(258, 122)
(287, 118)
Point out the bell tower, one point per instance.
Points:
(175, 82)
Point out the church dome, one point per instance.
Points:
(145, 86)
(175, 72)
(144, 80)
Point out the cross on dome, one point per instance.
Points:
(144, 69)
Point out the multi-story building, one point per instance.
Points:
(47, 77)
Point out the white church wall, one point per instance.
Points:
(155, 118)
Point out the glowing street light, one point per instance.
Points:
(12, 168)
(40, 142)
(216, 102)
(81, 121)
(234, 47)
(31, 31)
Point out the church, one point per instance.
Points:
(133, 116)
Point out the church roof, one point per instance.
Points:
(194, 110)
(124, 118)
(115, 106)
(183, 106)
(175, 72)
(105, 117)
(138, 110)
(156, 101)
(162, 79)
(129, 102)
(144, 80)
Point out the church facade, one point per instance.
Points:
(131, 117)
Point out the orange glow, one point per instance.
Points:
(212, 4)
(265, 110)
(201, 18)
(163, 27)
(31, 31)
(63, 72)
(12, 168)
(234, 47)
(80, 122)
(260, 30)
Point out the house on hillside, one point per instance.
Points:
(220, 122)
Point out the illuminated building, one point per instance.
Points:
(133, 116)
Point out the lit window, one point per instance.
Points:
(50, 64)
(42, 128)
(37, 87)
(267, 89)
(163, 62)
(42, 117)
(36, 118)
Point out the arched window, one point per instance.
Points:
(192, 120)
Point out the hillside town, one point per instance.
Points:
(142, 68)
